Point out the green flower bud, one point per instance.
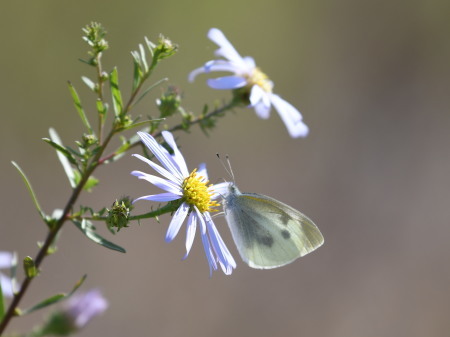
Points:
(118, 215)
(95, 37)
(169, 102)
(29, 267)
(165, 48)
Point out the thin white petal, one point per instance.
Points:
(220, 190)
(226, 49)
(162, 171)
(262, 110)
(202, 171)
(179, 159)
(161, 155)
(163, 184)
(177, 221)
(6, 259)
(221, 250)
(6, 284)
(190, 232)
(227, 82)
(291, 117)
(162, 197)
(206, 245)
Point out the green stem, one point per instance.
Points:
(52, 234)
(232, 104)
(100, 95)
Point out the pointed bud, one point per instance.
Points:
(29, 267)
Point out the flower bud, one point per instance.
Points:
(165, 48)
(169, 102)
(118, 214)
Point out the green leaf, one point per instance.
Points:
(115, 91)
(30, 190)
(87, 229)
(150, 88)
(143, 58)
(79, 107)
(102, 107)
(2, 304)
(150, 45)
(64, 156)
(91, 85)
(137, 71)
(54, 299)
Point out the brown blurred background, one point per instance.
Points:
(372, 81)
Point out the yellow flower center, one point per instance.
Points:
(261, 80)
(196, 193)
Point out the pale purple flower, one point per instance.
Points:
(196, 199)
(6, 260)
(81, 308)
(246, 74)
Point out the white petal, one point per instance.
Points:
(219, 246)
(163, 184)
(202, 171)
(190, 232)
(6, 286)
(161, 155)
(226, 49)
(220, 190)
(162, 197)
(227, 82)
(291, 117)
(260, 101)
(6, 259)
(177, 221)
(179, 159)
(206, 245)
(162, 171)
(262, 110)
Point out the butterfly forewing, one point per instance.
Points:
(269, 233)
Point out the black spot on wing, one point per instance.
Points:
(266, 239)
(285, 234)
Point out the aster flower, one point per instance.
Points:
(196, 199)
(255, 84)
(6, 259)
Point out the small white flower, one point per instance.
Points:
(247, 75)
(6, 260)
(197, 199)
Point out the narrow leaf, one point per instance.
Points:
(63, 157)
(89, 83)
(150, 88)
(150, 45)
(65, 151)
(54, 299)
(79, 107)
(102, 108)
(143, 58)
(115, 91)
(86, 228)
(137, 72)
(30, 190)
(2, 304)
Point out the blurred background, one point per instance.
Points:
(372, 81)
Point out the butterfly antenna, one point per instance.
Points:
(227, 167)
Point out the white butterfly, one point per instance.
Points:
(267, 232)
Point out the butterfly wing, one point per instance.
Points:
(269, 233)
